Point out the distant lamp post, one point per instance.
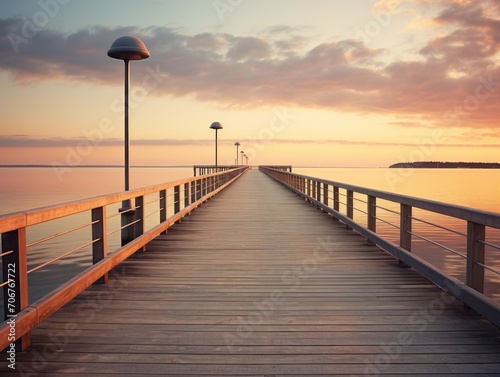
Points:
(127, 49)
(246, 158)
(237, 146)
(216, 126)
(242, 153)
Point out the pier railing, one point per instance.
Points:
(342, 201)
(168, 203)
(210, 169)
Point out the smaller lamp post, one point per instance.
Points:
(216, 126)
(237, 146)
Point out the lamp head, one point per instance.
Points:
(128, 48)
(216, 126)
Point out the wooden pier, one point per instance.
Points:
(258, 282)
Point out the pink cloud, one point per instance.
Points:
(452, 83)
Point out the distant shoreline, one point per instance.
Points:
(446, 165)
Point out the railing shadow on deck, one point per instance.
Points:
(326, 195)
(170, 202)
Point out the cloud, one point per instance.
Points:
(26, 141)
(451, 80)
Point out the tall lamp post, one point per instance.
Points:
(216, 126)
(246, 158)
(237, 146)
(242, 153)
(127, 49)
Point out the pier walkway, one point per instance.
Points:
(258, 282)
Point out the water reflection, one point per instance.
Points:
(475, 188)
(28, 188)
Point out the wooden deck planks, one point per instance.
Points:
(257, 282)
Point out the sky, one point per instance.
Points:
(297, 82)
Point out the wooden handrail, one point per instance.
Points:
(13, 228)
(469, 292)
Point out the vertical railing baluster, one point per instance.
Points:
(350, 206)
(139, 215)
(405, 228)
(318, 191)
(177, 199)
(475, 254)
(325, 194)
(336, 200)
(15, 271)
(193, 191)
(371, 220)
(99, 236)
(163, 207)
(187, 195)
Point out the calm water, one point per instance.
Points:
(28, 188)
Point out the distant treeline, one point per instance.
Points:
(447, 165)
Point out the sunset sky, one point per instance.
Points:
(301, 82)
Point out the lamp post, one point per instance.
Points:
(246, 158)
(242, 153)
(216, 126)
(127, 49)
(237, 146)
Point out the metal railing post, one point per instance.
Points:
(371, 220)
(15, 271)
(405, 228)
(99, 236)
(476, 234)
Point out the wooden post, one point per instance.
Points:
(163, 207)
(325, 194)
(127, 217)
(475, 254)
(15, 271)
(372, 216)
(350, 206)
(198, 189)
(177, 199)
(99, 247)
(187, 196)
(139, 215)
(405, 228)
(318, 191)
(336, 200)
(193, 191)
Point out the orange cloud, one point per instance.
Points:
(453, 82)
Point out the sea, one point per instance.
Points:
(26, 188)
